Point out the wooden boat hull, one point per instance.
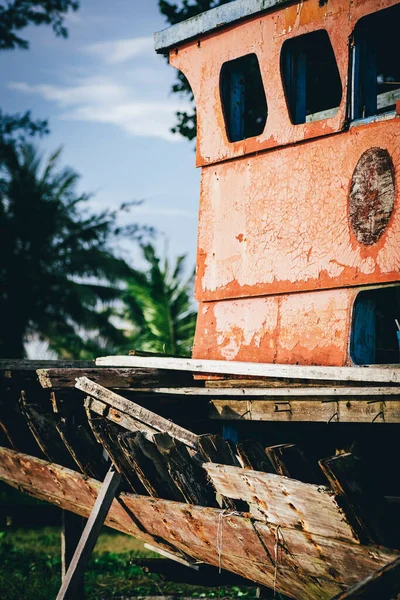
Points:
(296, 563)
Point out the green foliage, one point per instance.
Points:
(18, 14)
(175, 12)
(31, 568)
(58, 272)
(158, 303)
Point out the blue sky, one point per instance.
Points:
(107, 97)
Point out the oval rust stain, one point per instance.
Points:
(372, 195)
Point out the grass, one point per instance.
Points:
(30, 568)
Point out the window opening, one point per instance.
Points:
(374, 337)
(376, 65)
(243, 98)
(311, 77)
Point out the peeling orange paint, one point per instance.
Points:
(280, 260)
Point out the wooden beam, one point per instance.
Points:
(383, 584)
(283, 501)
(367, 374)
(371, 410)
(277, 392)
(136, 411)
(64, 378)
(84, 550)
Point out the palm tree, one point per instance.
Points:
(159, 306)
(58, 273)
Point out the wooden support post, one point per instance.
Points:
(72, 526)
(87, 542)
(383, 584)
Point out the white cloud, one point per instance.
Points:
(106, 101)
(87, 91)
(135, 97)
(119, 51)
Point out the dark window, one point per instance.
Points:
(374, 338)
(376, 64)
(243, 98)
(310, 77)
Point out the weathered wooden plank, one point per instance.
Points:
(319, 556)
(277, 392)
(145, 459)
(118, 417)
(135, 410)
(273, 382)
(187, 475)
(382, 584)
(375, 410)
(195, 530)
(375, 373)
(64, 378)
(84, 550)
(283, 501)
(353, 481)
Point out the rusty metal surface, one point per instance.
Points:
(372, 195)
(305, 566)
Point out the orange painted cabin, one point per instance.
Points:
(298, 134)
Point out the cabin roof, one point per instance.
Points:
(211, 20)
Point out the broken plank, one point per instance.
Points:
(376, 373)
(149, 465)
(63, 378)
(135, 410)
(353, 481)
(187, 475)
(283, 501)
(382, 584)
(371, 410)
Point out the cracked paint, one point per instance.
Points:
(289, 230)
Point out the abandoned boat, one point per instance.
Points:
(272, 453)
